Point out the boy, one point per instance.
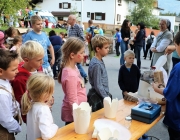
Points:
(8, 105)
(97, 73)
(129, 76)
(37, 35)
(32, 53)
(172, 95)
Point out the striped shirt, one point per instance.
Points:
(76, 31)
(98, 77)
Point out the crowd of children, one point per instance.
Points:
(27, 84)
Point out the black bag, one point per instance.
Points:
(150, 40)
(95, 100)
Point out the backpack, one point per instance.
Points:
(150, 40)
(93, 31)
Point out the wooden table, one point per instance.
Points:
(137, 128)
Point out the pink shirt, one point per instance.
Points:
(74, 92)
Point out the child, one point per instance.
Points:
(40, 88)
(39, 36)
(129, 76)
(62, 35)
(97, 72)
(2, 37)
(32, 53)
(17, 42)
(9, 107)
(70, 78)
(172, 95)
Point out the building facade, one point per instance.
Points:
(111, 12)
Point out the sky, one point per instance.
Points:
(169, 5)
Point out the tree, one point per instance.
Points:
(168, 14)
(142, 12)
(11, 7)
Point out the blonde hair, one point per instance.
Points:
(72, 45)
(99, 41)
(35, 18)
(39, 85)
(31, 49)
(128, 52)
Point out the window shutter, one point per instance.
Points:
(60, 5)
(92, 16)
(103, 16)
(69, 5)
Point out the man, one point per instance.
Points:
(76, 31)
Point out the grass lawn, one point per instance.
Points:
(45, 29)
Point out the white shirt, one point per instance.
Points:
(8, 108)
(40, 122)
(163, 44)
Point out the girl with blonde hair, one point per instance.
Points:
(40, 88)
(70, 78)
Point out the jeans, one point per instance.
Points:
(175, 61)
(144, 47)
(138, 55)
(124, 48)
(57, 55)
(81, 70)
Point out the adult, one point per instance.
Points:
(144, 41)
(118, 41)
(163, 39)
(100, 30)
(56, 42)
(150, 39)
(125, 34)
(89, 36)
(138, 43)
(76, 31)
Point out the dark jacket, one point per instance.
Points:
(125, 34)
(129, 80)
(55, 40)
(139, 38)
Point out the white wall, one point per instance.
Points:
(107, 7)
(156, 12)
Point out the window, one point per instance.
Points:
(119, 2)
(60, 18)
(79, 14)
(99, 16)
(118, 17)
(88, 14)
(65, 5)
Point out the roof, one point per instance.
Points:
(58, 13)
(158, 8)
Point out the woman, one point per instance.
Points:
(138, 43)
(150, 39)
(125, 35)
(56, 42)
(162, 41)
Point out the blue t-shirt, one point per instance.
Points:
(118, 36)
(101, 32)
(172, 95)
(43, 40)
